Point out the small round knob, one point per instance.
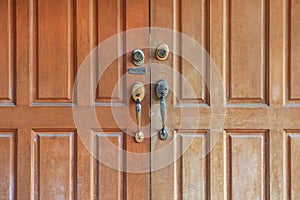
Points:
(138, 57)
(162, 52)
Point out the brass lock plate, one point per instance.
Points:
(139, 136)
(162, 52)
(138, 57)
(138, 91)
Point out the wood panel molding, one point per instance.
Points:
(53, 164)
(247, 164)
(246, 51)
(291, 163)
(193, 170)
(111, 85)
(8, 163)
(52, 66)
(7, 52)
(291, 56)
(194, 80)
(102, 172)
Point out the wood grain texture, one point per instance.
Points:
(7, 51)
(292, 35)
(246, 50)
(52, 39)
(108, 175)
(186, 174)
(292, 144)
(52, 50)
(54, 164)
(247, 164)
(193, 75)
(109, 21)
(195, 169)
(263, 37)
(8, 163)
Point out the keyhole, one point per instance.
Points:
(161, 53)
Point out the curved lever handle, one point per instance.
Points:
(138, 94)
(138, 113)
(162, 91)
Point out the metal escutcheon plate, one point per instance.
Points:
(162, 87)
(139, 136)
(162, 52)
(138, 57)
(138, 91)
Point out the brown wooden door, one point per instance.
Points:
(233, 116)
(44, 44)
(232, 113)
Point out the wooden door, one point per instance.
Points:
(254, 47)
(43, 46)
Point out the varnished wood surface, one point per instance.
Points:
(255, 46)
(43, 44)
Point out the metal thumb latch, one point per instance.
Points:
(162, 91)
(138, 94)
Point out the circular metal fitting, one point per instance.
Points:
(162, 52)
(138, 57)
(139, 136)
(162, 87)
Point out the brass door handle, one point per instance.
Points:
(162, 91)
(138, 94)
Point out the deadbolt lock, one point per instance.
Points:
(162, 52)
(138, 57)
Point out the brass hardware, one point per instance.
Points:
(162, 92)
(138, 94)
(162, 52)
(138, 57)
(138, 91)
(139, 136)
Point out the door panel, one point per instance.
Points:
(7, 52)
(253, 44)
(292, 44)
(108, 24)
(53, 169)
(51, 63)
(247, 163)
(247, 37)
(8, 165)
(44, 46)
(291, 163)
(105, 176)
